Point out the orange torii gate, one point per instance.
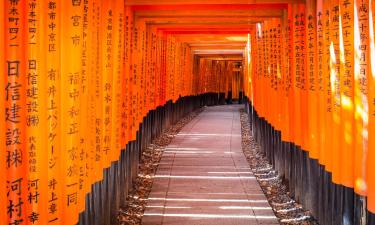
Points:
(87, 84)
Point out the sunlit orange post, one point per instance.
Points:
(15, 82)
(327, 67)
(298, 68)
(346, 92)
(118, 78)
(312, 80)
(36, 116)
(371, 114)
(71, 49)
(3, 72)
(285, 80)
(129, 73)
(320, 87)
(290, 79)
(335, 90)
(361, 76)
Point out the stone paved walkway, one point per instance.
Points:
(204, 178)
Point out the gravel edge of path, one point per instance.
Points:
(136, 201)
(286, 209)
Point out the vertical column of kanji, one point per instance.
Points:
(118, 77)
(126, 92)
(163, 81)
(15, 111)
(274, 75)
(151, 67)
(277, 74)
(70, 70)
(84, 132)
(3, 196)
(120, 6)
(154, 68)
(107, 13)
(155, 73)
(280, 75)
(327, 67)
(139, 75)
(271, 74)
(335, 90)
(371, 115)
(297, 71)
(168, 67)
(134, 77)
(255, 65)
(302, 76)
(250, 69)
(172, 70)
(260, 64)
(157, 66)
(311, 75)
(90, 88)
(52, 38)
(171, 67)
(302, 84)
(97, 111)
(36, 113)
(145, 70)
(319, 82)
(290, 79)
(285, 135)
(160, 66)
(258, 61)
(361, 76)
(347, 91)
(131, 81)
(266, 71)
(142, 71)
(176, 71)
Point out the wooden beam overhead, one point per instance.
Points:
(179, 2)
(267, 13)
(194, 7)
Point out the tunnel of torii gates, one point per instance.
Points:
(87, 84)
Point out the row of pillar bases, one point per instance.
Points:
(308, 181)
(108, 195)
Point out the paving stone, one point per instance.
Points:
(204, 177)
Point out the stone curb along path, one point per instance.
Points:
(286, 209)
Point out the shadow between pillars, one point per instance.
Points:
(108, 195)
(308, 181)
